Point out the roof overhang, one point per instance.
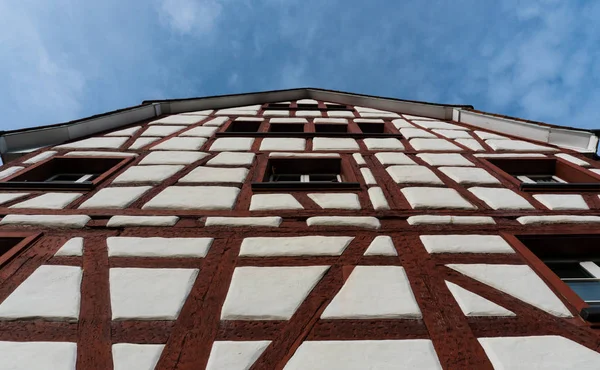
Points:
(15, 143)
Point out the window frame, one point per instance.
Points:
(572, 178)
(7, 182)
(28, 238)
(261, 181)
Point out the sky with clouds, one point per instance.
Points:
(68, 59)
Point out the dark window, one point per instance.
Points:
(286, 127)
(305, 106)
(575, 259)
(65, 172)
(330, 127)
(12, 244)
(278, 106)
(371, 128)
(546, 174)
(337, 107)
(306, 173)
(244, 126)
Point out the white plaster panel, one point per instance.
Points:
(269, 293)
(219, 121)
(389, 158)
(539, 352)
(595, 171)
(308, 113)
(9, 171)
(383, 114)
(369, 120)
(453, 134)
(149, 174)
(362, 222)
(172, 157)
(232, 159)
(73, 247)
(205, 112)
(278, 113)
(180, 143)
(236, 112)
(40, 157)
(282, 144)
(177, 119)
(340, 113)
(329, 143)
(561, 202)
(341, 121)
(382, 245)
(49, 201)
(413, 175)
(158, 247)
(123, 221)
(517, 145)
(90, 153)
(272, 221)
(374, 292)
(439, 125)
(304, 155)
(96, 143)
(470, 175)
(573, 159)
(418, 118)
(369, 110)
(195, 197)
(450, 220)
(359, 159)
(411, 133)
(465, 244)
(255, 119)
(501, 198)
(471, 144)
(472, 304)
(67, 221)
(200, 131)
(383, 144)
(235, 355)
(408, 354)
(439, 145)
(215, 174)
(38, 355)
(368, 176)
(445, 159)
(295, 246)
(336, 200)
(265, 202)
(149, 293)
(488, 135)
(115, 197)
(50, 292)
(162, 130)
(378, 199)
(129, 356)
(559, 219)
(435, 198)
(400, 123)
(232, 144)
(519, 281)
(510, 155)
(307, 101)
(142, 142)
(125, 132)
(289, 120)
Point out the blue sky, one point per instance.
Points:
(68, 59)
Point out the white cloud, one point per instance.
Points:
(190, 17)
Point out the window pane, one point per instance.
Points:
(324, 177)
(543, 179)
(566, 270)
(71, 177)
(587, 290)
(286, 177)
